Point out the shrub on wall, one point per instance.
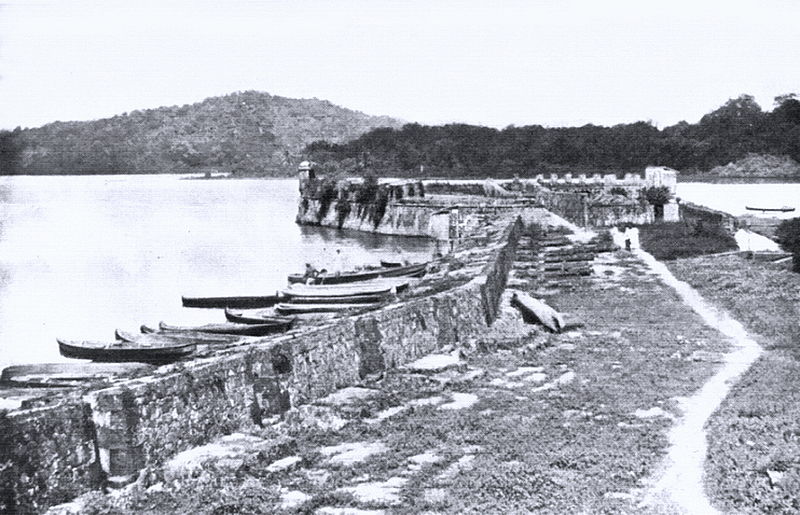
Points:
(616, 190)
(367, 190)
(657, 195)
(342, 210)
(326, 193)
(379, 206)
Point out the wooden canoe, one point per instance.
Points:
(39, 375)
(289, 308)
(155, 336)
(347, 299)
(119, 351)
(373, 287)
(225, 328)
(415, 270)
(784, 209)
(242, 302)
(535, 311)
(257, 317)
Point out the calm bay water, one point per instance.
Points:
(732, 198)
(81, 256)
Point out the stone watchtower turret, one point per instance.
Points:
(306, 173)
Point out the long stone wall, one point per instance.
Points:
(400, 219)
(695, 215)
(83, 438)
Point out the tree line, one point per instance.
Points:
(734, 130)
(253, 133)
(246, 133)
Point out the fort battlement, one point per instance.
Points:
(653, 176)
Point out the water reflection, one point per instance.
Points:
(81, 256)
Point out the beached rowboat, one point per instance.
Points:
(416, 270)
(242, 301)
(372, 287)
(264, 317)
(226, 328)
(42, 375)
(289, 308)
(119, 351)
(151, 336)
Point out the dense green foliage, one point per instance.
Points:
(244, 133)
(657, 195)
(255, 133)
(675, 240)
(738, 128)
(788, 234)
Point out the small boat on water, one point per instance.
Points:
(290, 308)
(119, 351)
(784, 209)
(242, 302)
(415, 270)
(152, 336)
(390, 264)
(227, 328)
(45, 375)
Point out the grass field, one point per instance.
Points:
(753, 460)
(673, 240)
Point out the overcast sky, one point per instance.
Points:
(553, 63)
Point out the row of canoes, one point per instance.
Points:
(170, 342)
(345, 285)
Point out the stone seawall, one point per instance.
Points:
(695, 215)
(580, 209)
(400, 219)
(81, 439)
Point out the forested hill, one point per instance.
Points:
(250, 133)
(738, 129)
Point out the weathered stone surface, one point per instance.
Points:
(147, 420)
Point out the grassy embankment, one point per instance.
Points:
(754, 453)
(674, 240)
(557, 423)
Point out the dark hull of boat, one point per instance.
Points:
(351, 277)
(254, 319)
(125, 351)
(771, 209)
(229, 328)
(391, 264)
(295, 309)
(240, 302)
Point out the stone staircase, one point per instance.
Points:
(551, 259)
